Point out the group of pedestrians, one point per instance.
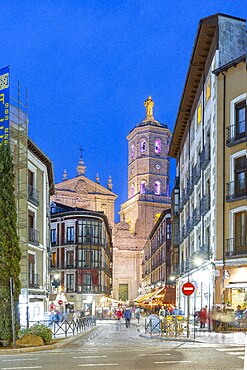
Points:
(127, 315)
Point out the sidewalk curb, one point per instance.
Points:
(170, 339)
(48, 347)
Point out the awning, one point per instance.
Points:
(158, 292)
(170, 295)
(144, 297)
(242, 285)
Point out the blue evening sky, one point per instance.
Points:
(89, 66)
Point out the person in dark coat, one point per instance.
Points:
(127, 316)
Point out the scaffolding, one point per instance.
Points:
(19, 146)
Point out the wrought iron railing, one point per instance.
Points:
(236, 247)
(205, 204)
(33, 281)
(33, 236)
(196, 216)
(236, 189)
(205, 157)
(236, 133)
(33, 195)
(196, 174)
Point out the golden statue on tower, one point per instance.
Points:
(149, 104)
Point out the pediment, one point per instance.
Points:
(83, 185)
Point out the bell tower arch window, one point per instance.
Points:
(157, 146)
(157, 187)
(143, 146)
(132, 150)
(132, 190)
(143, 187)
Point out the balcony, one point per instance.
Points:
(33, 281)
(236, 247)
(205, 157)
(33, 195)
(205, 251)
(205, 204)
(196, 217)
(236, 190)
(236, 134)
(33, 236)
(190, 186)
(69, 266)
(196, 174)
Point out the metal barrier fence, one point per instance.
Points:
(172, 326)
(67, 327)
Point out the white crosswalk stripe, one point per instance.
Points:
(234, 351)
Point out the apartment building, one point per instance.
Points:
(231, 208)
(197, 147)
(81, 258)
(158, 286)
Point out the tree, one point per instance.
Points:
(10, 253)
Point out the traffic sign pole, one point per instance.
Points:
(187, 289)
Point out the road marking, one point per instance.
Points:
(24, 367)
(90, 357)
(95, 365)
(242, 357)
(230, 349)
(21, 359)
(235, 353)
(172, 362)
(154, 354)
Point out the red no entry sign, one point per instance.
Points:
(60, 302)
(188, 288)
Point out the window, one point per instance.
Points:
(199, 114)
(90, 232)
(208, 89)
(143, 187)
(240, 231)
(240, 118)
(143, 146)
(70, 259)
(70, 278)
(157, 146)
(132, 150)
(31, 269)
(53, 236)
(132, 190)
(70, 234)
(157, 188)
(53, 260)
(240, 175)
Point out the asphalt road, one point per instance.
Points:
(109, 348)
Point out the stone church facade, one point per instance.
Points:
(148, 196)
(82, 192)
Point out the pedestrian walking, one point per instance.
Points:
(203, 317)
(119, 314)
(138, 314)
(127, 316)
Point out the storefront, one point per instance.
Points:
(236, 286)
(203, 279)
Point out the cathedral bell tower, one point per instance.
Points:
(148, 174)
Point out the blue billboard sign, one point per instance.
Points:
(4, 104)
